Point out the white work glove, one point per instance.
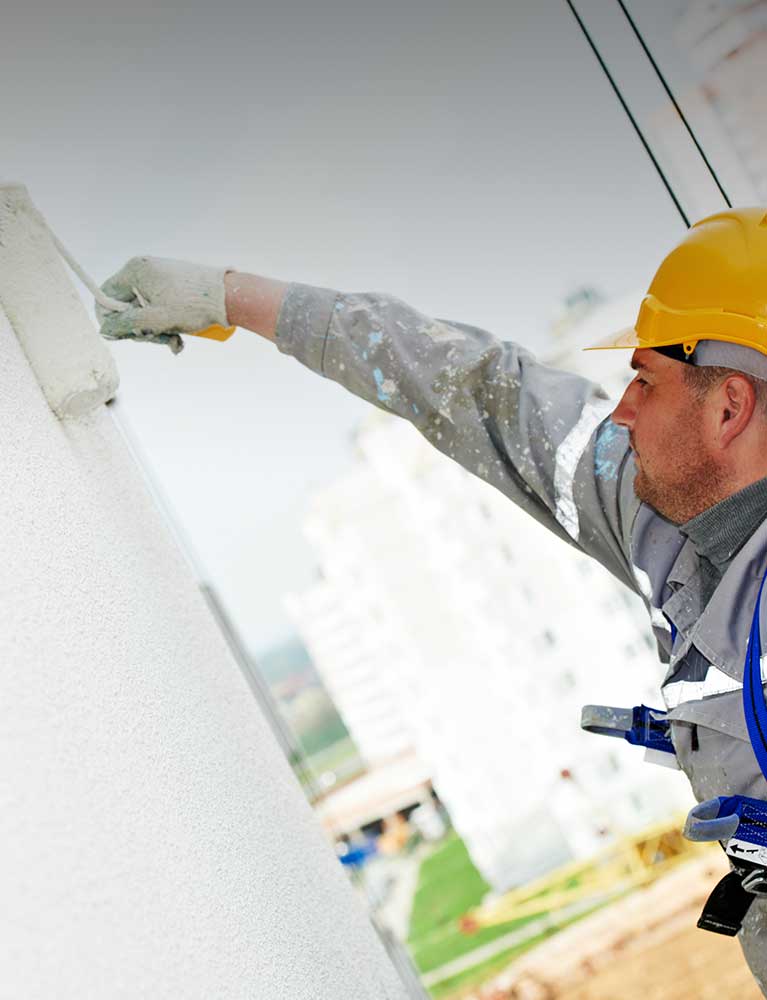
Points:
(167, 298)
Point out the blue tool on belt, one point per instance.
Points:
(738, 822)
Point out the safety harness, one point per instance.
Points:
(739, 823)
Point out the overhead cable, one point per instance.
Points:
(627, 109)
(673, 100)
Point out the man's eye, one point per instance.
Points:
(641, 381)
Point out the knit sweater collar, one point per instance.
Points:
(720, 532)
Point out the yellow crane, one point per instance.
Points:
(630, 861)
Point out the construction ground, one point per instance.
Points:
(646, 946)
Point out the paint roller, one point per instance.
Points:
(72, 364)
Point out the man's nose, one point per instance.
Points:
(624, 413)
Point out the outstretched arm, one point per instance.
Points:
(542, 437)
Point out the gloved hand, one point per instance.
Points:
(167, 298)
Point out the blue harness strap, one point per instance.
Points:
(754, 705)
(737, 822)
(718, 819)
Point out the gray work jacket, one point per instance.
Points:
(544, 438)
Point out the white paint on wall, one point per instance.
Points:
(153, 841)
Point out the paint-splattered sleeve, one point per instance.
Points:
(539, 435)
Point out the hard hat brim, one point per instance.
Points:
(629, 339)
(626, 339)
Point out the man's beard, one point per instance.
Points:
(690, 482)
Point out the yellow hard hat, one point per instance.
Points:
(712, 286)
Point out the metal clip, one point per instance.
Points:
(756, 882)
(640, 726)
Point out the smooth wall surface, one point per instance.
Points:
(153, 842)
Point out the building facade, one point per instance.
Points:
(726, 42)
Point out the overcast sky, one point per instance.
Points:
(469, 158)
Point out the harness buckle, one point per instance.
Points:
(740, 825)
(640, 726)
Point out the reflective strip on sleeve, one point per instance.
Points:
(569, 454)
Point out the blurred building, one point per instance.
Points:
(344, 636)
(449, 620)
(726, 41)
(398, 786)
(724, 44)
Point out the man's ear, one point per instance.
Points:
(736, 401)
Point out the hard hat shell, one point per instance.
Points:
(712, 286)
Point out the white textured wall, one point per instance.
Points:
(153, 842)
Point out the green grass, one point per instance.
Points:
(448, 886)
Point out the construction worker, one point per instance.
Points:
(667, 490)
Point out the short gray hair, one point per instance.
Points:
(701, 379)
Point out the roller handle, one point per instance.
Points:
(215, 332)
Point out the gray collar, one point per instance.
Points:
(721, 531)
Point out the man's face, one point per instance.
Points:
(677, 473)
